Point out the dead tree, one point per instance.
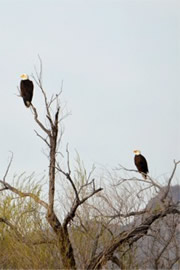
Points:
(52, 139)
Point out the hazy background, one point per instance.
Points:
(119, 61)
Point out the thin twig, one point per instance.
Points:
(142, 180)
(68, 176)
(8, 167)
(68, 161)
(87, 184)
(125, 169)
(42, 138)
(54, 99)
(170, 180)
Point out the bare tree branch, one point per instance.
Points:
(38, 80)
(130, 214)
(2, 189)
(133, 235)
(8, 167)
(68, 176)
(42, 138)
(24, 194)
(170, 180)
(126, 169)
(141, 180)
(47, 131)
(54, 99)
(72, 212)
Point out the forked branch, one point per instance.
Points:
(72, 212)
(47, 131)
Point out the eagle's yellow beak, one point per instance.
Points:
(24, 76)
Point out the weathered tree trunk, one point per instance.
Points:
(52, 165)
(65, 246)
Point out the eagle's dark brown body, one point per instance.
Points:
(26, 87)
(141, 164)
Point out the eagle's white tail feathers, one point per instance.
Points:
(144, 175)
(28, 104)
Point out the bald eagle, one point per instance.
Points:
(26, 87)
(141, 163)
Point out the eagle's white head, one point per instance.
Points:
(24, 76)
(137, 152)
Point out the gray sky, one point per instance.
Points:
(120, 64)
